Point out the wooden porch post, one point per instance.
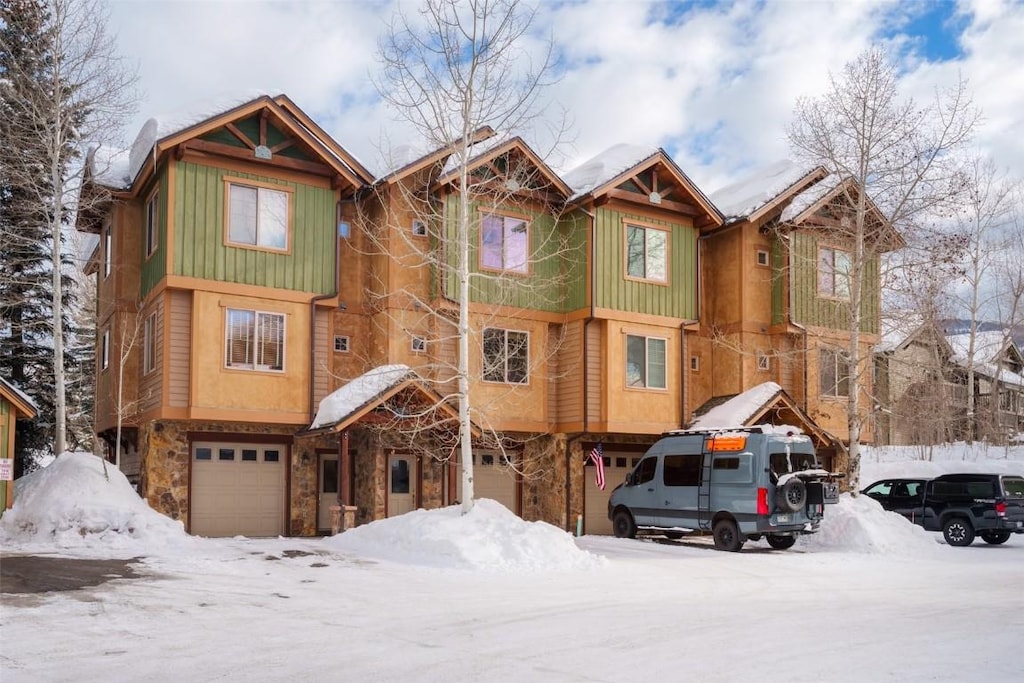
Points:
(344, 469)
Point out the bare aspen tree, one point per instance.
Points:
(77, 94)
(896, 152)
(982, 216)
(465, 75)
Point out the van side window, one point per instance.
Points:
(682, 470)
(645, 471)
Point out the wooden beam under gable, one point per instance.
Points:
(220, 149)
(242, 137)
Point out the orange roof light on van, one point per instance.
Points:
(728, 443)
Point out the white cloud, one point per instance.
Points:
(714, 85)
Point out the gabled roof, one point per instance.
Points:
(812, 199)
(991, 349)
(899, 333)
(486, 150)
(348, 404)
(603, 173)
(764, 189)
(767, 402)
(161, 134)
(24, 406)
(437, 156)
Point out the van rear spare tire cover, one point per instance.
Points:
(791, 496)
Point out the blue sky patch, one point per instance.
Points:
(934, 28)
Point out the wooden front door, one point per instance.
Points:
(328, 494)
(401, 484)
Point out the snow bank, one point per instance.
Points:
(489, 537)
(931, 461)
(71, 504)
(860, 525)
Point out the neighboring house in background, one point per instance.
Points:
(998, 384)
(776, 295)
(272, 342)
(15, 405)
(916, 396)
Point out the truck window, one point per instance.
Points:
(681, 470)
(1014, 487)
(645, 470)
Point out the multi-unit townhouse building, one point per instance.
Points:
(278, 333)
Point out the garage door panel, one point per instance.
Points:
(491, 480)
(595, 513)
(238, 490)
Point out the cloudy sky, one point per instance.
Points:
(714, 83)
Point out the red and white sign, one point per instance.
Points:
(6, 469)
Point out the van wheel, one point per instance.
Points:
(995, 537)
(958, 531)
(727, 536)
(791, 496)
(781, 542)
(622, 525)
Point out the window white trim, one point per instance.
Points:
(418, 345)
(341, 343)
(763, 361)
(105, 350)
(254, 340)
(695, 363)
(419, 228)
(763, 257)
(506, 356)
(834, 373)
(152, 223)
(650, 372)
(149, 345)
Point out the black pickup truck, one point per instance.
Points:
(959, 505)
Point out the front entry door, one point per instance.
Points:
(401, 485)
(328, 490)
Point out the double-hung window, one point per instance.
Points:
(255, 340)
(258, 216)
(835, 373)
(504, 243)
(646, 253)
(833, 273)
(645, 362)
(506, 356)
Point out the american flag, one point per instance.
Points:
(597, 455)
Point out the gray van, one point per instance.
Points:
(741, 483)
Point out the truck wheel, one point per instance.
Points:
(791, 496)
(995, 537)
(727, 536)
(958, 532)
(781, 542)
(623, 525)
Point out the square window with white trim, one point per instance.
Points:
(762, 257)
(646, 362)
(695, 363)
(419, 345)
(341, 344)
(419, 228)
(763, 362)
(254, 340)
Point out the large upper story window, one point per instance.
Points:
(646, 253)
(255, 340)
(506, 356)
(152, 225)
(645, 362)
(258, 216)
(504, 243)
(833, 273)
(835, 373)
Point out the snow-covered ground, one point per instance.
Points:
(434, 596)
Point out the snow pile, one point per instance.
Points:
(489, 537)
(931, 461)
(860, 525)
(71, 504)
(609, 164)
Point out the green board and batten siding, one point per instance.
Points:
(543, 289)
(613, 290)
(812, 310)
(200, 251)
(154, 268)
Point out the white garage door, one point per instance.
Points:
(238, 489)
(492, 478)
(595, 512)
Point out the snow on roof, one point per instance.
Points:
(737, 410)
(808, 197)
(605, 166)
(988, 348)
(109, 167)
(347, 399)
(898, 329)
(22, 396)
(744, 197)
(160, 127)
(476, 150)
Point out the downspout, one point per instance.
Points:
(591, 282)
